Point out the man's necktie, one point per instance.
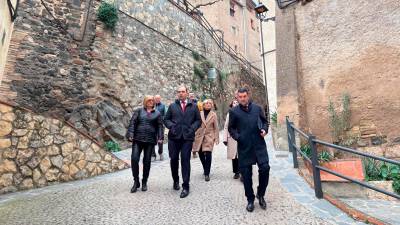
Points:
(183, 104)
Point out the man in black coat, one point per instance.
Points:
(248, 126)
(182, 120)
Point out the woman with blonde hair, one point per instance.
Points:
(144, 128)
(206, 137)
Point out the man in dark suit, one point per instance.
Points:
(182, 120)
(248, 126)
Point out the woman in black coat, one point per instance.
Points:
(144, 128)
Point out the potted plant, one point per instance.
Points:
(348, 167)
(381, 174)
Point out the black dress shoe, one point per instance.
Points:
(262, 202)
(236, 176)
(135, 186)
(207, 178)
(250, 207)
(144, 187)
(176, 186)
(184, 193)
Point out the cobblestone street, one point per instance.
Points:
(83, 81)
(106, 200)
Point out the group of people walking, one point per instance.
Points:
(194, 128)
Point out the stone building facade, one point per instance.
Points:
(237, 20)
(328, 48)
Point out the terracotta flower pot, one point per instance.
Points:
(348, 167)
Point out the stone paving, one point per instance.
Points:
(106, 199)
(387, 211)
(282, 169)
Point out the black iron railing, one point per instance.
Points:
(13, 9)
(316, 168)
(197, 15)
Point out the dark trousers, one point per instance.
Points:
(137, 149)
(235, 165)
(205, 158)
(184, 148)
(160, 149)
(263, 178)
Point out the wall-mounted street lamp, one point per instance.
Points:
(261, 14)
(13, 9)
(212, 74)
(261, 10)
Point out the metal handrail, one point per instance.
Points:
(13, 9)
(316, 168)
(364, 184)
(357, 152)
(302, 153)
(301, 132)
(223, 45)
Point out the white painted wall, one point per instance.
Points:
(270, 58)
(5, 33)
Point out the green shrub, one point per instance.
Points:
(339, 122)
(372, 169)
(199, 72)
(390, 171)
(194, 87)
(274, 118)
(108, 14)
(376, 170)
(306, 149)
(346, 113)
(396, 186)
(223, 75)
(324, 156)
(196, 55)
(112, 146)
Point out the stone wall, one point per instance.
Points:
(342, 47)
(94, 83)
(36, 151)
(286, 74)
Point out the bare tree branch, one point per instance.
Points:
(205, 4)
